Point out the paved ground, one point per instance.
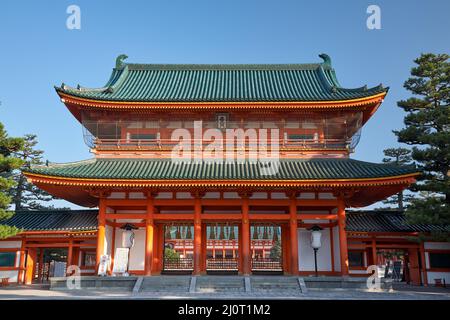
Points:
(400, 293)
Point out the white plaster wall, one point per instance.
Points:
(11, 274)
(108, 240)
(10, 244)
(137, 254)
(437, 245)
(438, 275)
(336, 247)
(306, 253)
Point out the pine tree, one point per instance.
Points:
(25, 195)
(8, 163)
(400, 157)
(428, 131)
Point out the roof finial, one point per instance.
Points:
(326, 59)
(119, 61)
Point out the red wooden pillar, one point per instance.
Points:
(158, 253)
(424, 264)
(101, 231)
(149, 237)
(31, 264)
(374, 252)
(342, 237)
(239, 243)
(69, 255)
(245, 250)
(41, 264)
(197, 235)
(285, 248)
(204, 248)
(21, 277)
(414, 270)
(293, 236)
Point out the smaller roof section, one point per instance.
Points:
(386, 221)
(178, 83)
(54, 220)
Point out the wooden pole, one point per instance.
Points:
(197, 235)
(246, 262)
(293, 235)
(149, 237)
(69, 254)
(101, 231)
(342, 238)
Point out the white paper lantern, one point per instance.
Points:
(316, 236)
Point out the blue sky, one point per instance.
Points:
(38, 51)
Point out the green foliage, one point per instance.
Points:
(170, 253)
(8, 162)
(399, 157)
(427, 129)
(25, 195)
(275, 251)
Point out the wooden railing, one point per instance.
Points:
(230, 264)
(267, 264)
(167, 144)
(178, 264)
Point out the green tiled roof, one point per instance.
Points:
(386, 221)
(54, 220)
(223, 83)
(165, 169)
(78, 220)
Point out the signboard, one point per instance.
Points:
(59, 269)
(121, 260)
(103, 265)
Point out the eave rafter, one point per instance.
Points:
(135, 105)
(85, 182)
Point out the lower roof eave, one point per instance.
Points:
(364, 191)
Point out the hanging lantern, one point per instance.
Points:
(254, 233)
(275, 234)
(168, 235)
(189, 233)
(265, 235)
(222, 233)
(231, 234)
(212, 234)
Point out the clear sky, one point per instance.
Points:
(38, 51)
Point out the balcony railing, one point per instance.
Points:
(168, 145)
(266, 264)
(178, 264)
(222, 264)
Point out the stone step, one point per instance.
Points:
(220, 284)
(275, 283)
(166, 283)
